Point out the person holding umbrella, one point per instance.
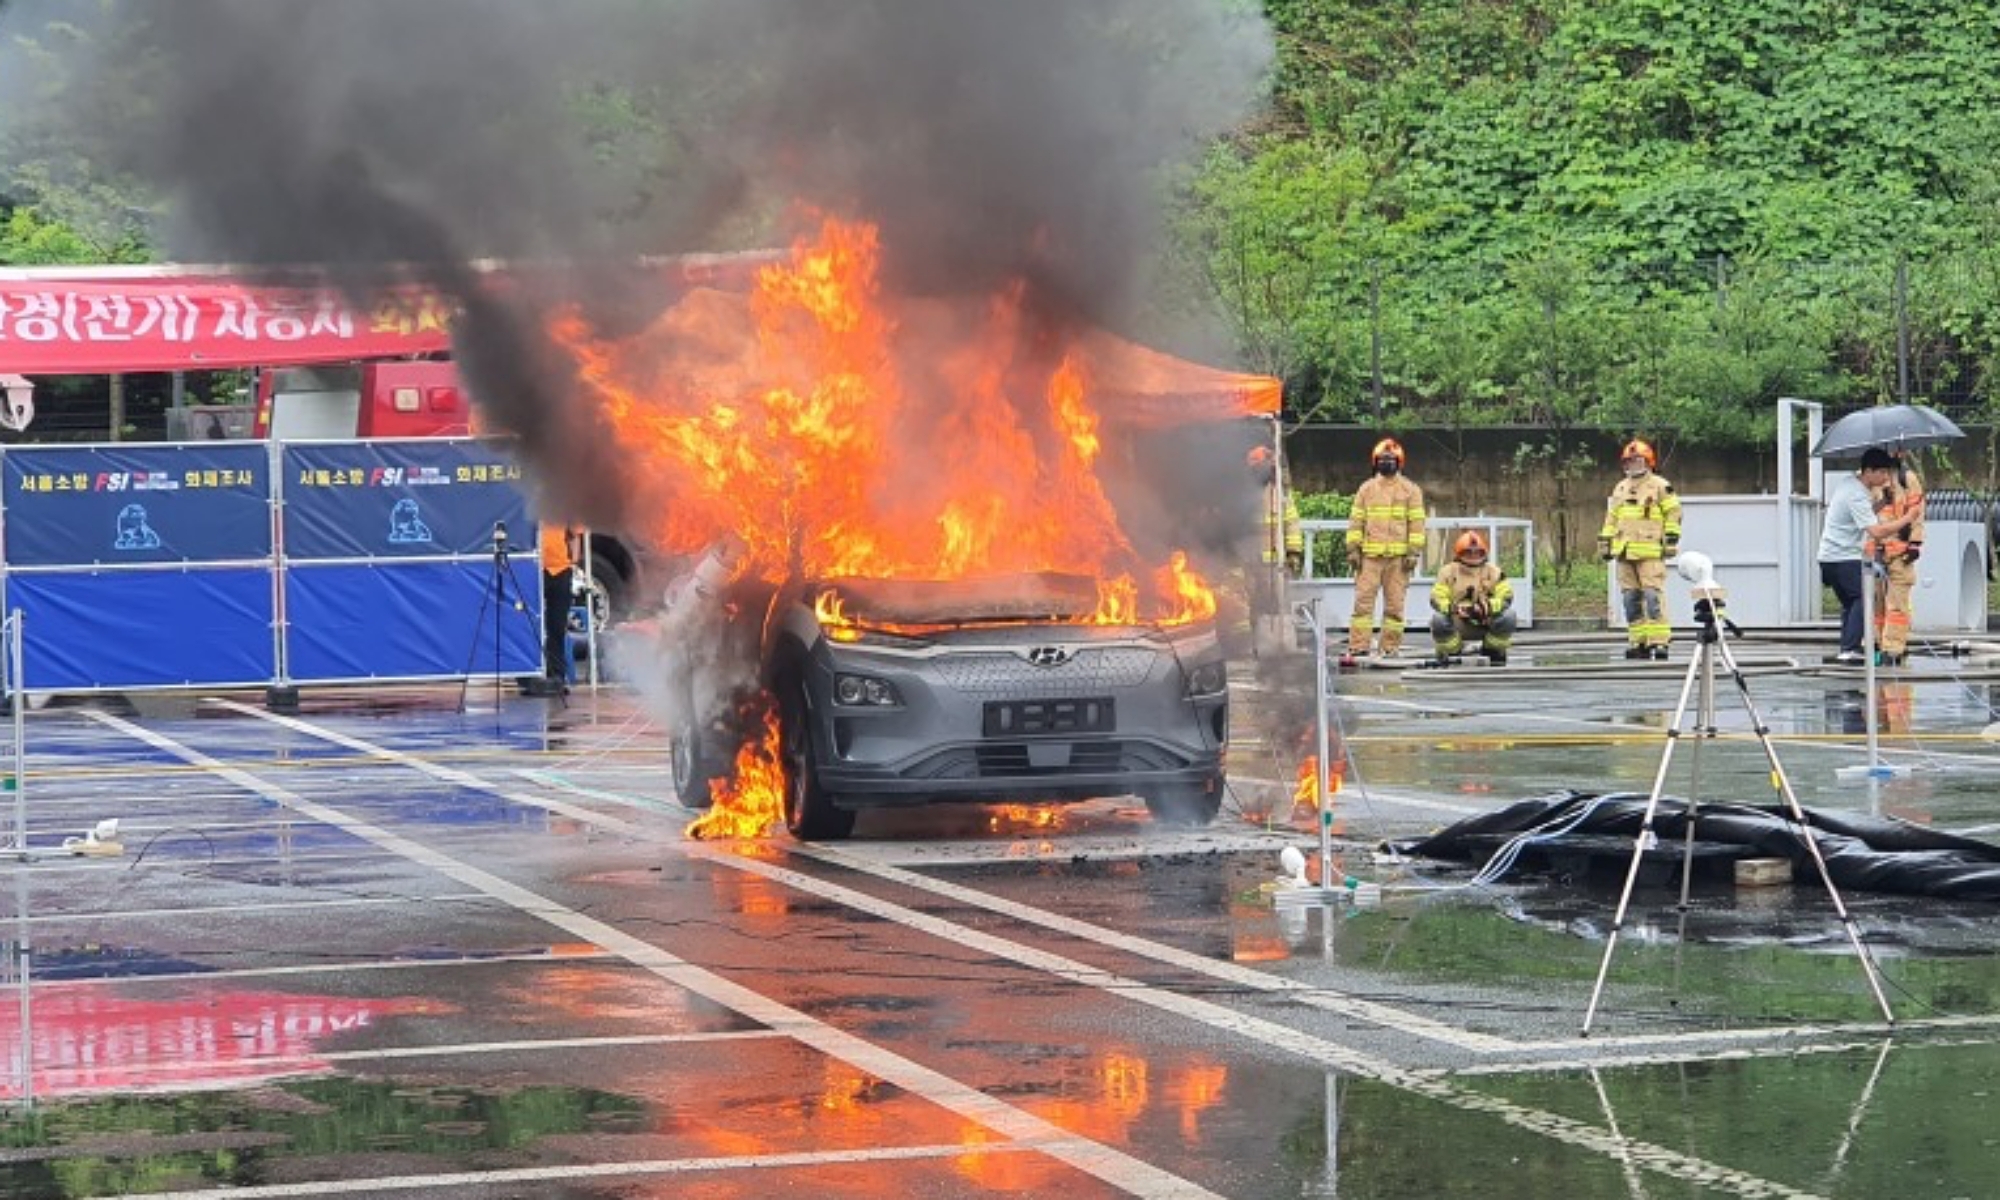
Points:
(1851, 524)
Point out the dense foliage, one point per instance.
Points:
(1635, 214)
(1651, 215)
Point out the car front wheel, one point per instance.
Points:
(809, 811)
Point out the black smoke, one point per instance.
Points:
(363, 139)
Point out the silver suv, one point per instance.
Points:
(996, 690)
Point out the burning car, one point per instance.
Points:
(935, 556)
(892, 693)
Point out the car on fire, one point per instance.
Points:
(898, 693)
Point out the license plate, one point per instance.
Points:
(1016, 718)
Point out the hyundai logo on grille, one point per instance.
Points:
(1048, 656)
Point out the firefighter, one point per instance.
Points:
(1899, 513)
(1385, 535)
(1280, 540)
(1471, 598)
(558, 554)
(1642, 534)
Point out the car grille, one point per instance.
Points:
(1091, 672)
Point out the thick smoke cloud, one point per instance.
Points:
(990, 141)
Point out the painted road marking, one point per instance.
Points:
(1103, 1162)
(1055, 1148)
(437, 771)
(336, 968)
(1255, 1029)
(123, 914)
(156, 1074)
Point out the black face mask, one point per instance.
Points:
(1387, 466)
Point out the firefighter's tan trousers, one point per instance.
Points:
(1892, 608)
(1389, 578)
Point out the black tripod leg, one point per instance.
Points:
(1811, 844)
(486, 600)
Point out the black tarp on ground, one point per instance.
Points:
(1869, 854)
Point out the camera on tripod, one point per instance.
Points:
(499, 539)
(1710, 599)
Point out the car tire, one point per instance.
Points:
(809, 811)
(1195, 804)
(694, 765)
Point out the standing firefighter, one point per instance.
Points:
(1642, 534)
(1899, 505)
(1280, 540)
(1471, 599)
(1385, 532)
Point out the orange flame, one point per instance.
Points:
(755, 803)
(1307, 791)
(776, 417)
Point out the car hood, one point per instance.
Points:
(1038, 597)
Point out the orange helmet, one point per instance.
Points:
(1469, 543)
(1258, 458)
(1388, 448)
(1641, 448)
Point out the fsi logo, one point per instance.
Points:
(134, 532)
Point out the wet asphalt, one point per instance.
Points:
(386, 947)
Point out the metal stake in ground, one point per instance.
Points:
(1710, 643)
(1329, 893)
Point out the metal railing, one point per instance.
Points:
(1328, 575)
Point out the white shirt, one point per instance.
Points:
(1849, 513)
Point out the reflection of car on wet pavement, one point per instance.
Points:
(996, 690)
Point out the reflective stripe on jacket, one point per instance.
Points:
(1282, 534)
(1484, 586)
(1642, 515)
(1388, 518)
(1903, 506)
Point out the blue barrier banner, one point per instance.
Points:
(138, 629)
(401, 499)
(410, 620)
(94, 506)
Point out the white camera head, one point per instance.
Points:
(1697, 568)
(1292, 862)
(105, 830)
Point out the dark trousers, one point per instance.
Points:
(556, 597)
(1845, 580)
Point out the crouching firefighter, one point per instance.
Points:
(1471, 599)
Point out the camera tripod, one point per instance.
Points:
(1710, 645)
(503, 590)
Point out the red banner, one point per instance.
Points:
(58, 327)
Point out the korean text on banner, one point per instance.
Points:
(422, 498)
(104, 506)
(64, 327)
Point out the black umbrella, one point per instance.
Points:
(1887, 427)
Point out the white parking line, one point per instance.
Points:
(682, 1166)
(1271, 1034)
(127, 914)
(1103, 1162)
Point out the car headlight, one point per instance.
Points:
(856, 691)
(1208, 679)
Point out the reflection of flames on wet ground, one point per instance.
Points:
(839, 433)
(1119, 1092)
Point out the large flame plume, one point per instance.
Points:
(841, 433)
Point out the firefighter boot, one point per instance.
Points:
(1659, 653)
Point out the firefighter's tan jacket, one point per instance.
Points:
(1485, 587)
(1641, 517)
(1387, 520)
